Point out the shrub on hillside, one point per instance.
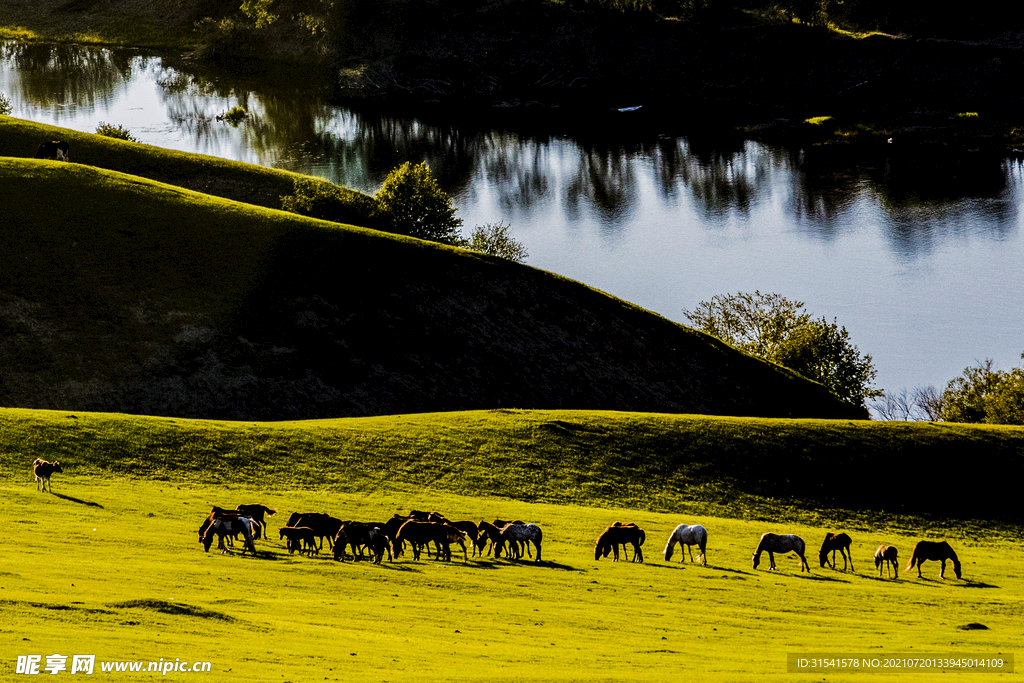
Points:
(412, 203)
(119, 132)
(496, 240)
(319, 198)
(5, 105)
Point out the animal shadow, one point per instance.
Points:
(78, 500)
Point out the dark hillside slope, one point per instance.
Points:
(122, 294)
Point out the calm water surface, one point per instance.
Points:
(920, 259)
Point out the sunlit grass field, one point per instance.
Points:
(109, 565)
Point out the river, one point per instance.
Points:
(921, 262)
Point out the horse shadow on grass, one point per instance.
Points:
(545, 564)
(820, 577)
(78, 500)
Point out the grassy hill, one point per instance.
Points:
(866, 471)
(109, 565)
(123, 294)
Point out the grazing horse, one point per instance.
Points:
(832, 543)
(323, 524)
(688, 535)
(300, 538)
(420, 533)
(930, 550)
(230, 526)
(620, 534)
(55, 149)
(257, 511)
(42, 470)
(775, 543)
(887, 554)
(516, 534)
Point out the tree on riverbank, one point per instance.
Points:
(776, 329)
(982, 394)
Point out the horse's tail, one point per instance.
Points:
(913, 558)
(643, 536)
(702, 540)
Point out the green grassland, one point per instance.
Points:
(109, 564)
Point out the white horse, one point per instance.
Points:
(520, 533)
(688, 535)
(230, 526)
(774, 543)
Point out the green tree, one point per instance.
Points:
(5, 105)
(822, 351)
(495, 239)
(412, 203)
(776, 329)
(756, 323)
(984, 395)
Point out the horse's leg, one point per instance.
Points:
(803, 564)
(942, 568)
(639, 552)
(537, 544)
(849, 551)
(771, 561)
(615, 550)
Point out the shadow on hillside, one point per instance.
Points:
(78, 500)
(976, 584)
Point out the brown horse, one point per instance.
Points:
(258, 513)
(886, 554)
(420, 533)
(620, 534)
(832, 543)
(931, 550)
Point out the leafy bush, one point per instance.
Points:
(412, 203)
(982, 394)
(322, 199)
(5, 105)
(111, 131)
(495, 239)
(776, 329)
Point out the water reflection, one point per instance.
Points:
(57, 77)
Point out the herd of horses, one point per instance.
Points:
(305, 533)
(436, 534)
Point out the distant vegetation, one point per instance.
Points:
(5, 105)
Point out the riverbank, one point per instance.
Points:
(558, 66)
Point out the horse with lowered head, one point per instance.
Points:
(230, 526)
(688, 535)
(518, 536)
(887, 554)
(832, 543)
(931, 550)
(775, 543)
(620, 534)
